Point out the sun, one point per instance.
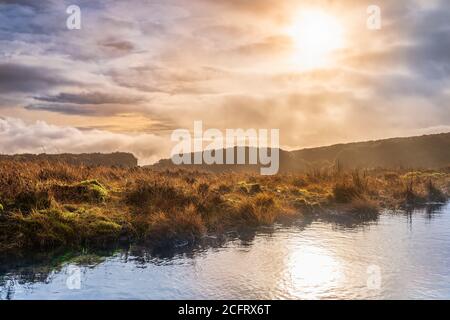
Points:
(316, 36)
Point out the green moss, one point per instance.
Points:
(305, 193)
(249, 188)
(102, 229)
(1, 208)
(98, 191)
(87, 260)
(85, 191)
(91, 182)
(54, 228)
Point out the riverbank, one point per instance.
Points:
(308, 258)
(46, 206)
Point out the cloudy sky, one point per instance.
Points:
(139, 69)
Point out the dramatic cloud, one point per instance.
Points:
(89, 98)
(21, 78)
(150, 66)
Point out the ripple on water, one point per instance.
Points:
(408, 255)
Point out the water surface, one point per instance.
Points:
(399, 255)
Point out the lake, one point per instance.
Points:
(403, 255)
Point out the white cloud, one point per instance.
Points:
(16, 136)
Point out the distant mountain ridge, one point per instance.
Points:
(119, 159)
(427, 151)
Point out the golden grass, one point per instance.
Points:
(46, 205)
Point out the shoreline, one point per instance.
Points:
(67, 206)
(93, 255)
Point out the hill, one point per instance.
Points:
(428, 151)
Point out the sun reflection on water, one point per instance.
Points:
(313, 271)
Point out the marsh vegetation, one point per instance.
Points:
(50, 205)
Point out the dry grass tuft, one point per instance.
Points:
(363, 208)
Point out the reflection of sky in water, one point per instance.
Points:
(321, 260)
(313, 270)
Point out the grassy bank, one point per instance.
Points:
(58, 205)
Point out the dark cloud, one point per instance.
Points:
(93, 110)
(119, 45)
(27, 3)
(27, 17)
(91, 98)
(431, 56)
(23, 78)
(94, 104)
(69, 109)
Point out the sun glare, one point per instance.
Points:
(316, 35)
(313, 271)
